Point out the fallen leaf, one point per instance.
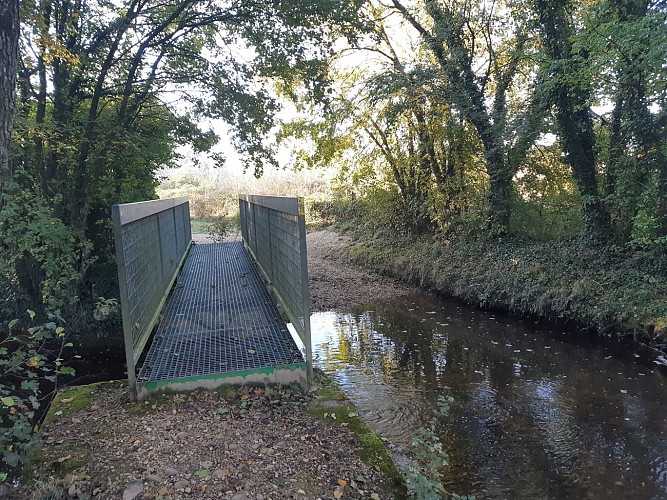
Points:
(342, 482)
(375, 496)
(338, 492)
(63, 459)
(66, 400)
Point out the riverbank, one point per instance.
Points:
(238, 444)
(608, 291)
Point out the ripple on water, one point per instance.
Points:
(536, 415)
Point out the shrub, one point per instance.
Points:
(31, 360)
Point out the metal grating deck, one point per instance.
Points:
(219, 318)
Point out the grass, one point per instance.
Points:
(611, 290)
(73, 399)
(602, 289)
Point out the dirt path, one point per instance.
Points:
(335, 283)
(252, 444)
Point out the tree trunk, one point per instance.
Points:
(9, 46)
(571, 97)
(500, 189)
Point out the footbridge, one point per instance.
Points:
(201, 315)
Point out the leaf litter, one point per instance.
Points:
(262, 445)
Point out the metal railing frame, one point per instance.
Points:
(152, 240)
(291, 291)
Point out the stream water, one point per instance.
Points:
(537, 413)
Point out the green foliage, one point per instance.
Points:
(31, 362)
(424, 478)
(96, 116)
(44, 258)
(545, 204)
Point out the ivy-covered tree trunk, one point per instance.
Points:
(9, 44)
(505, 144)
(500, 189)
(571, 95)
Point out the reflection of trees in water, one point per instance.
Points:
(539, 415)
(389, 343)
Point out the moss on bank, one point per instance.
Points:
(333, 407)
(606, 289)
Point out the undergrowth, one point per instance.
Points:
(613, 290)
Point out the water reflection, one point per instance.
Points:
(536, 415)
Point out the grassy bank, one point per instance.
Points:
(610, 290)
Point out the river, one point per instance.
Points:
(537, 413)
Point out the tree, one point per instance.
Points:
(97, 79)
(628, 41)
(571, 93)
(9, 43)
(480, 58)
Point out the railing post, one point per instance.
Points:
(305, 290)
(124, 303)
